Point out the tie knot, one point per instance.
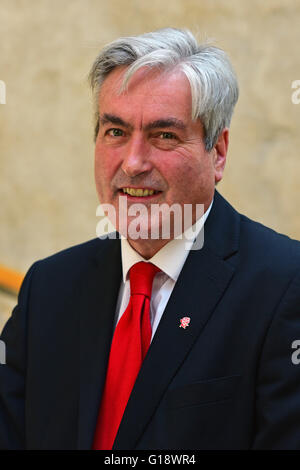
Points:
(141, 277)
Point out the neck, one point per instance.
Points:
(147, 248)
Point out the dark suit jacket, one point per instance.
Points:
(227, 381)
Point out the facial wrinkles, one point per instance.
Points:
(151, 180)
(142, 107)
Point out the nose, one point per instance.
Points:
(136, 159)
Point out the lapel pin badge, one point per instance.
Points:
(184, 322)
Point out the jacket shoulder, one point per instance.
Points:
(74, 260)
(268, 246)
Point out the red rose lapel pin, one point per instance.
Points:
(184, 322)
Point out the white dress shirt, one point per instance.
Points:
(169, 259)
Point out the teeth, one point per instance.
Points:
(139, 192)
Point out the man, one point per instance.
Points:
(209, 362)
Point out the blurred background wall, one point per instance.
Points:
(47, 196)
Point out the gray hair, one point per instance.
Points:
(213, 83)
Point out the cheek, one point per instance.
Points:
(102, 175)
(187, 176)
(180, 169)
(105, 164)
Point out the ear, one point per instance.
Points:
(220, 153)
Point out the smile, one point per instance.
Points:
(139, 192)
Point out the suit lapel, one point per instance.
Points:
(200, 286)
(98, 304)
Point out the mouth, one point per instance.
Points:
(134, 193)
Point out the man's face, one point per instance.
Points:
(147, 140)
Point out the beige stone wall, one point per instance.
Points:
(7, 303)
(47, 194)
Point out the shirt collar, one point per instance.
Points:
(170, 258)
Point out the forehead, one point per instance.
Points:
(154, 94)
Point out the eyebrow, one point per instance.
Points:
(164, 123)
(111, 118)
(159, 123)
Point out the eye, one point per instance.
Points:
(114, 132)
(167, 135)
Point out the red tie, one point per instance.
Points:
(129, 346)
